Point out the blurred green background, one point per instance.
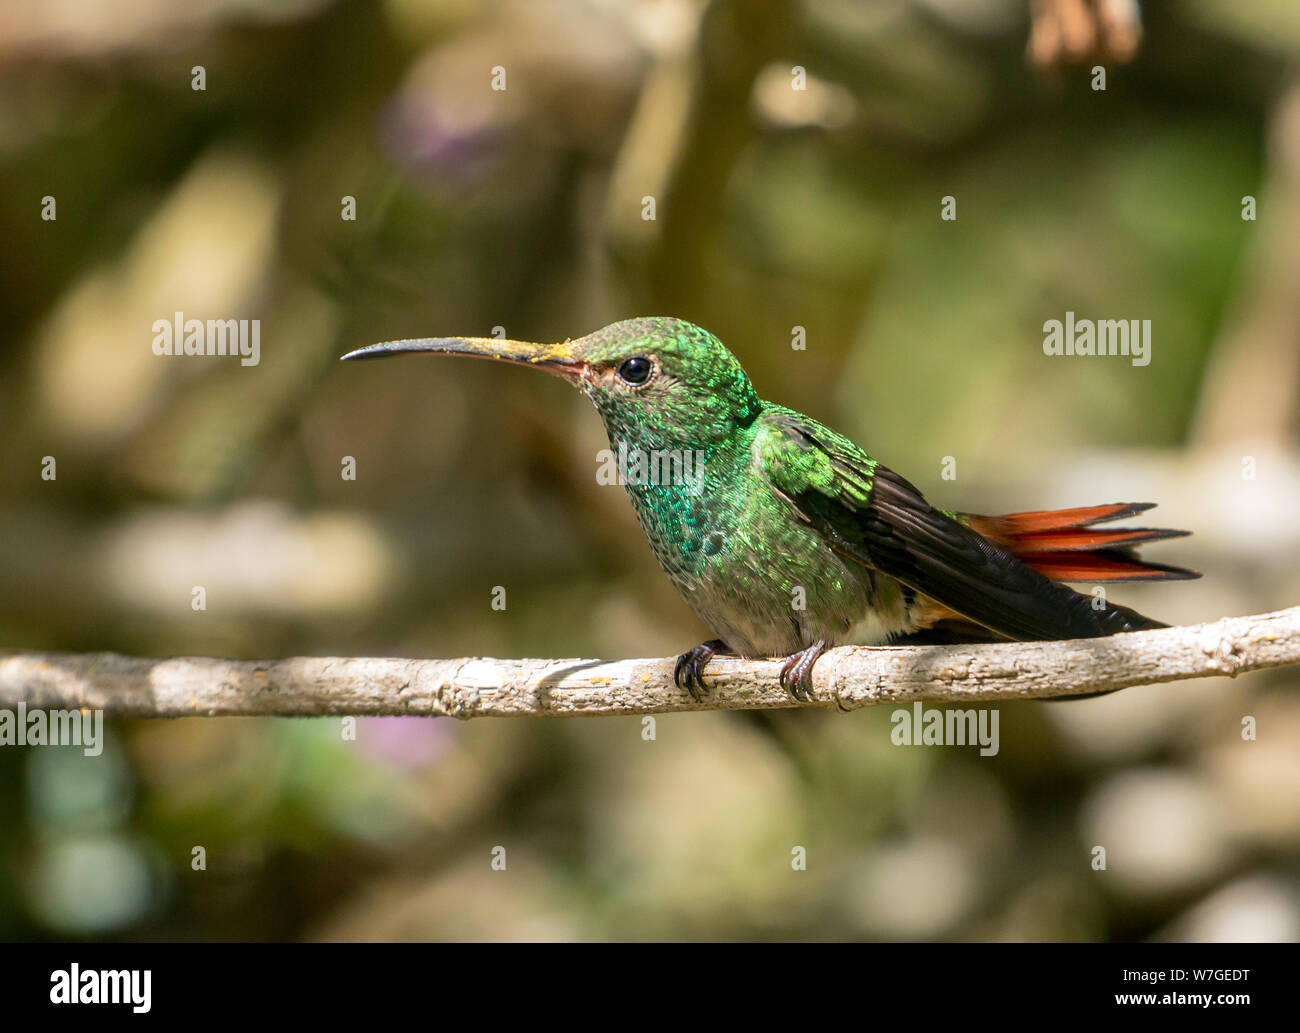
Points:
(522, 208)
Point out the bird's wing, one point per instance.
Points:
(871, 515)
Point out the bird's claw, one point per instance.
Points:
(689, 670)
(796, 672)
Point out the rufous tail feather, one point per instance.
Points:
(1065, 545)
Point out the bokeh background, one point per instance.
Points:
(775, 208)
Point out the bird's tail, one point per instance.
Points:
(1065, 544)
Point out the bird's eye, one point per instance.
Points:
(636, 370)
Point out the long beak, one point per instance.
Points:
(554, 358)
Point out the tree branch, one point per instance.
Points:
(848, 677)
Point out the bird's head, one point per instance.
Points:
(656, 381)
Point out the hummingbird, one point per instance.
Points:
(786, 538)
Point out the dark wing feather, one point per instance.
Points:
(870, 514)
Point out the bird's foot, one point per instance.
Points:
(796, 673)
(689, 672)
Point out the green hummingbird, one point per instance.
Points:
(786, 538)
